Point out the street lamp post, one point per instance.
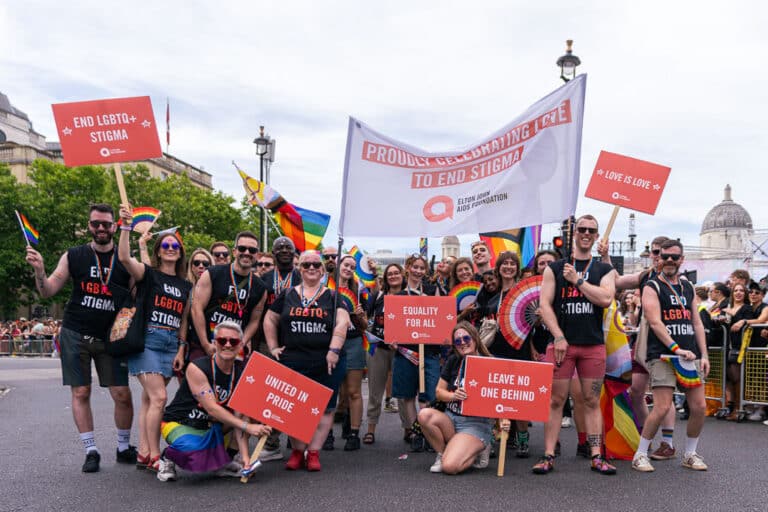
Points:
(265, 149)
(568, 62)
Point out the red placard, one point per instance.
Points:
(507, 388)
(280, 397)
(107, 131)
(419, 319)
(627, 182)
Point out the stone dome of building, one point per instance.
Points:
(726, 215)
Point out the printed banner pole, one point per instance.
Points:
(21, 225)
(609, 228)
(255, 456)
(502, 453)
(120, 184)
(422, 386)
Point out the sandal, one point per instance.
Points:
(545, 465)
(600, 465)
(369, 438)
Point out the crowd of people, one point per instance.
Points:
(209, 309)
(36, 336)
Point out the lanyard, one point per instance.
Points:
(237, 292)
(104, 283)
(231, 380)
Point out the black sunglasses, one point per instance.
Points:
(244, 248)
(329, 256)
(96, 224)
(656, 252)
(582, 230)
(222, 341)
(173, 245)
(462, 340)
(204, 263)
(221, 254)
(313, 264)
(673, 257)
(265, 264)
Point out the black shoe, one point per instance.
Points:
(523, 451)
(345, 427)
(127, 456)
(328, 444)
(92, 460)
(417, 443)
(583, 450)
(352, 444)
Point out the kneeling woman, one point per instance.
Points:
(457, 439)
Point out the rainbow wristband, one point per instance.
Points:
(674, 347)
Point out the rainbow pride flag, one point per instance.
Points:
(685, 371)
(524, 242)
(30, 233)
(370, 342)
(362, 271)
(194, 449)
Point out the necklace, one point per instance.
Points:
(306, 302)
(279, 283)
(240, 308)
(229, 386)
(104, 282)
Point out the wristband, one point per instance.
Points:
(245, 426)
(674, 347)
(336, 351)
(126, 228)
(183, 343)
(559, 338)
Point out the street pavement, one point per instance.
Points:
(41, 455)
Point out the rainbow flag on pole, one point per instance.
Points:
(362, 270)
(524, 242)
(30, 233)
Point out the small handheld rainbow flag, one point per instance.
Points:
(370, 342)
(348, 298)
(144, 217)
(465, 293)
(411, 355)
(30, 233)
(331, 282)
(362, 271)
(685, 371)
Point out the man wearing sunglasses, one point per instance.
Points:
(329, 260)
(95, 272)
(574, 292)
(265, 264)
(220, 253)
(229, 293)
(671, 308)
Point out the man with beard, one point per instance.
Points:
(229, 293)
(329, 261)
(90, 312)
(481, 257)
(670, 305)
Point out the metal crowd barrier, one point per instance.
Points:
(27, 345)
(714, 384)
(754, 373)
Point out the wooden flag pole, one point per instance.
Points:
(609, 228)
(120, 184)
(502, 453)
(255, 455)
(422, 386)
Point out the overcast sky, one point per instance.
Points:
(676, 83)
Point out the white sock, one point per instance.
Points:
(89, 442)
(123, 439)
(643, 445)
(690, 445)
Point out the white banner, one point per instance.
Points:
(524, 174)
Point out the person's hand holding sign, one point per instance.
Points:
(126, 214)
(460, 394)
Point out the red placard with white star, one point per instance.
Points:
(107, 131)
(507, 388)
(421, 319)
(279, 397)
(627, 182)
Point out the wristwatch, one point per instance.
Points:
(579, 282)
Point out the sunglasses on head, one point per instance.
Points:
(329, 256)
(223, 254)
(96, 224)
(265, 264)
(204, 263)
(462, 340)
(582, 230)
(173, 245)
(311, 264)
(673, 257)
(245, 248)
(222, 341)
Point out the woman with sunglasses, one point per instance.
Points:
(380, 363)
(197, 418)
(166, 316)
(199, 262)
(459, 440)
(305, 333)
(405, 373)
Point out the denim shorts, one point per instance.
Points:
(481, 428)
(160, 347)
(318, 372)
(355, 353)
(405, 378)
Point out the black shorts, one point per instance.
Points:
(77, 352)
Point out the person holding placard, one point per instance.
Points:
(306, 334)
(166, 317)
(89, 315)
(671, 309)
(460, 441)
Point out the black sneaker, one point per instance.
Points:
(417, 443)
(92, 460)
(328, 444)
(352, 444)
(523, 452)
(127, 456)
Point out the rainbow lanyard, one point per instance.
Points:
(305, 303)
(664, 280)
(279, 284)
(240, 308)
(104, 284)
(231, 381)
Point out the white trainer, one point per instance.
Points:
(483, 458)
(694, 461)
(268, 455)
(642, 463)
(437, 467)
(166, 471)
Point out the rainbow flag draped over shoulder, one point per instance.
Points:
(524, 242)
(620, 427)
(362, 271)
(305, 227)
(30, 233)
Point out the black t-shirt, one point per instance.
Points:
(757, 340)
(95, 275)
(676, 317)
(580, 320)
(375, 312)
(184, 407)
(223, 305)
(275, 283)
(745, 312)
(357, 289)
(500, 346)
(426, 289)
(452, 374)
(305, 332)
(168, 296)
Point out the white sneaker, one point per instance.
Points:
(567, 422)
(437, 467)
(640, 462)
(483, 458)
(765, 423)
(694, 461)
(167, 470)
(232, 469)
(756, 416)
(268, 455)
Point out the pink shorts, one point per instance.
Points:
(588, 360)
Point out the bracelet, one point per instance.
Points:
(126, 228)
(183, 343)
(245, 426)
(336, 351)
(559, 338)
(674, 347)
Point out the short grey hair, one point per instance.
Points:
(228, 324)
